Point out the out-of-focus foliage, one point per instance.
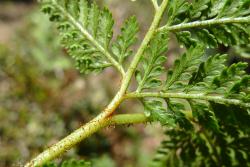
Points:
(243, 51)
(41, 36)
(26, 97)
(70, 163)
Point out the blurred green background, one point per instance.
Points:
(43, 98)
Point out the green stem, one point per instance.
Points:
(144, 43)
(78, 135)
(83, 132)
(86, 34)
(218, 99)
(123, 119)
(204, 23)
(146, 73)
(155, 4)
(103, 118)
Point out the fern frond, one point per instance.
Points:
(181, 115)
(216, 79)
(194, 74)
(155, 110)
(148, 78)
(213, 142)
(210, 118)
(165, 156)
(194, 82)
(211, 22)
(184, 148)
(86, 33)
(199, 89)
(152, 63)
(208, 70)
(206, 118)
(121, 47)
(183, 69)
(233, 82)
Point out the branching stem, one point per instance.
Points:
(145, 42)
(104, 118)
(204, 23)
(219, 99)
(155, 4)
